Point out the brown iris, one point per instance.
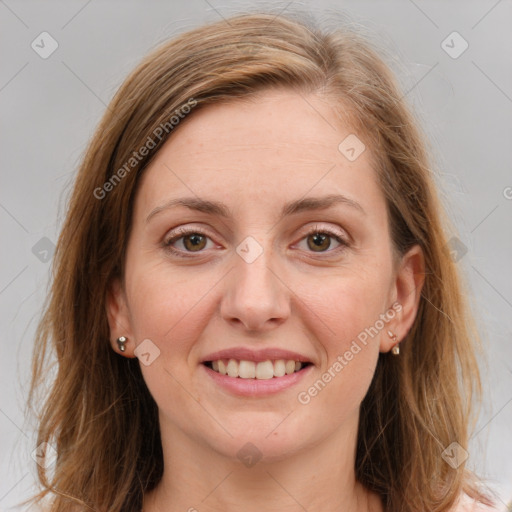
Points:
(320, 241)
(197, 242)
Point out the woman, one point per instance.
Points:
(253, 305)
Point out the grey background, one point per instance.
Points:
(50, 107)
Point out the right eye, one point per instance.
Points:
(192, 239)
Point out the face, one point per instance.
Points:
(265, 277)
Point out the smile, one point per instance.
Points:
(262, 370)
(255, 379)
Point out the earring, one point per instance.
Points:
(121, 341)
(396, 347)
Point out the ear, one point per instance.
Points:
(406, 291)
(118, 315)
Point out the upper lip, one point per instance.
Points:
(248, 354)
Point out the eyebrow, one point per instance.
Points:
(290, 208)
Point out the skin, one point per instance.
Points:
(254, 156)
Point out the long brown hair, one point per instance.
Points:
(98, 413)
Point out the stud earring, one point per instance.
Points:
(121, 341)
(396, 347)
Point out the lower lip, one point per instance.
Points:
(256, 387)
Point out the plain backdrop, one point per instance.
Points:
(50, 107)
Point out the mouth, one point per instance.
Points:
(252, 370)
(256, 379)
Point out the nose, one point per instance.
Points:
(255, 297)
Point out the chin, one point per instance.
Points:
(265, 439)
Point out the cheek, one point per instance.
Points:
(348, 305)
(171, 311)
(168, 308)
(351, 310)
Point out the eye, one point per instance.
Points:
(192, 239)
(319, 240)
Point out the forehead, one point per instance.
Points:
(270, 148)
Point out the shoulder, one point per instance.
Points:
(467, 504)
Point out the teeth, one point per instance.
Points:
(232, 368)
(290, 367)
(263, 370)
(247, 369)
(280, 368)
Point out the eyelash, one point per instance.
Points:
(183, 232)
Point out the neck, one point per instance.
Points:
(319, 477)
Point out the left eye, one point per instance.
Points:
(320, 241)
